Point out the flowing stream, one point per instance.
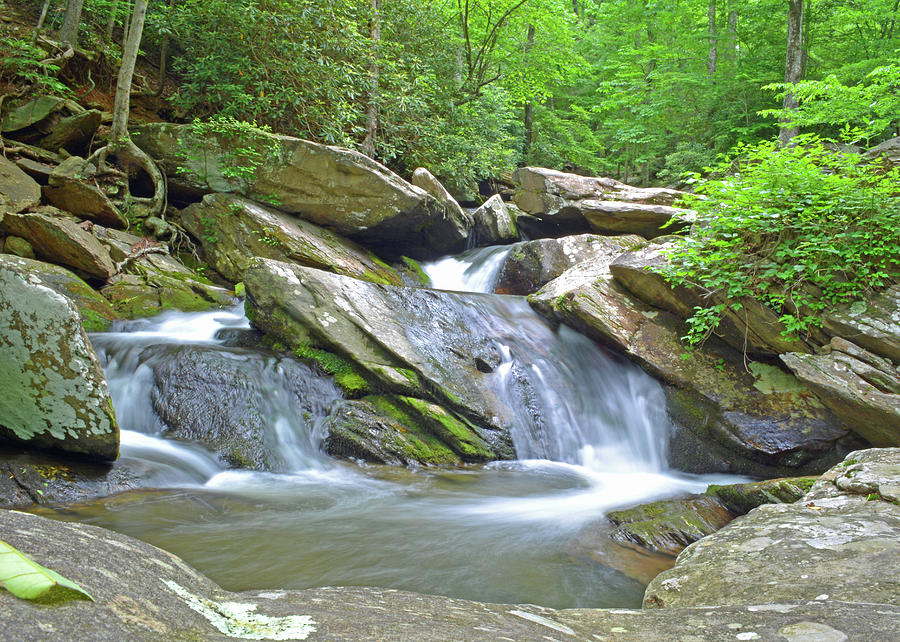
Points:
(503, 532)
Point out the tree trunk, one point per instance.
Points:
(121, 106)
(528, 120)
(732, 30)
(368, 144)
(713, 39)
(111, 20)
(40, 23)
(68, 33)
(793, 66)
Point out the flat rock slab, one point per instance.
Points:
(144, 593)
(873, 324)
(17, 189)
(829, 546)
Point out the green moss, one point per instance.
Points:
(346, 376)
(458, 434)
(93, 321)
(416, 270)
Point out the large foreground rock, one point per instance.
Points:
(413, 342)
(861, 388)
(838, 544)
(764, 422)
(234, 230)
(144, 593)
(331, 186)
(562, 203)
(54, 391)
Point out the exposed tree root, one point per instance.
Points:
(131, 159)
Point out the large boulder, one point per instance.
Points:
(837, 544)
(873, 324)
(233, 230)
(495, 222)
(755, 419)
(425, 180)
(564, 203)
(69, 188)
(59, 239)
(73, 133)
(742, 498)
(96, 312)
(888, 152)
(54, 391)
(18, 191)
(143, 593)
(755, 328)
(532, 264)
(861, 388)
(337, 188)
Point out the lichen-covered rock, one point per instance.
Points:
(564, 203)
(337, 188)
(495, 223)
(754, 329)
(233, 230)
(145, 594)
(859, 387)
(742, 498)
(764, 422)
(96, 312)
(18, 191)
(54, 391)
(873, 324)
(69, 189)
(18, 246)
(59, 239)
(669, 525)
(532, 264)
(831, 549)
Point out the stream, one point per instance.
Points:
(505, 532)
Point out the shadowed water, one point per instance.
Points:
(590, 433)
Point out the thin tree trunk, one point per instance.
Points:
(732, 30)
(368, 144)
(793, 66)
(126, 26)
(713, 39)
(528, 120)
(40, 22)
(121, 106)
(68, 33)
(163, 55)
(111, 20)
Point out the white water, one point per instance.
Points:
(591, 436)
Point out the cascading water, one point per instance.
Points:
(590, 433)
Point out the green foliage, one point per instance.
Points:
(800, 229)
(25, 578)
(23, 62)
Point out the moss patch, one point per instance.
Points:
(347, 377)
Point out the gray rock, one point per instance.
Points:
(18, 191)
(764, 422)
(54, 390)
(70, 190)
(425, 180)
(532, 264)
(873, 324)
(624, 217)
(34, 113)
(73, 133)
(858, 386)
(888, 151)
(337, 188)
(58, 239)
(833, 549)
(742, 498)
(495, 223)
(144, 593)
(234, 230)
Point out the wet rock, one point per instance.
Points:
(873, 324)
(18, 191)
(495, 223)
(234, 230)
(755, 328)
(425, 180)
(564, 203)
(742, 498)
(532, 264)
(59, 239)
(408, 341)
(764, 422)
(95, 311)
(337, 188)
(54, 391)
(833, 549)
(220, 399)
(859, 387)
(144, 593)
(69, 189)
(18, 246)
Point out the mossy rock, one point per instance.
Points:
(742, 498)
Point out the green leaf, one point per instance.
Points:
(27, 579)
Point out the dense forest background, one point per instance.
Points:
(639, 90)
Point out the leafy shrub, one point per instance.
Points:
(21, 61)
(800, 229)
